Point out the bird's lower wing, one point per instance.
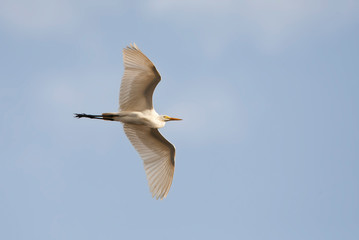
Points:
(158, 157)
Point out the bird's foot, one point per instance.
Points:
(79, 115)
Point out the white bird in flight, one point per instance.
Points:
(141, 121)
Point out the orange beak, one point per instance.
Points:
(176, 119)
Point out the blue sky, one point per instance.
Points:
(268, 91)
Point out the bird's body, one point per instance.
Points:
(141, 121)
(149, 118)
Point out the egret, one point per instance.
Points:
(141, 121)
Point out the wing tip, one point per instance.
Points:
(160, 196)
(161, 192)
(132, 46)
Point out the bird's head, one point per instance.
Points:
(166, 118)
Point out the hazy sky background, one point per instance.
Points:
(269, 94)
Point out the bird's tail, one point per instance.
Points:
(104, 116)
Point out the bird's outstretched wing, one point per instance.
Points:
(138, 82)
(158, 157)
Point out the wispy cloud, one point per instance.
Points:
(43, 17)
(269, 23)
(38, 16)
(218, 24)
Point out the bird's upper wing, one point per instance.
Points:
(158, 157)
(138, 82)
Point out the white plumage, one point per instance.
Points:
(158, 157)
(141, 121)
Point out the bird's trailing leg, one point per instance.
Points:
(84, 115)
(104, 116)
